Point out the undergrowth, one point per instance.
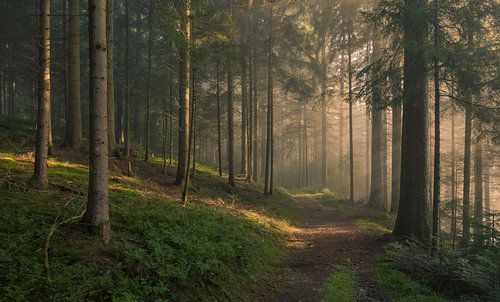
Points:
(161, 250)
(465, 275)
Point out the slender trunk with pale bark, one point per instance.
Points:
(244, 116)
(126, 118)
(377, 178)
(268, 190)
(42, 135)
(351, 131)
(230, 123)
(219, 130)
(148, 84)
(97, 212)
(184, 95)
(110, 10)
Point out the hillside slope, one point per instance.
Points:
(218, 247)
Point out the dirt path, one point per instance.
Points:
(329, 238)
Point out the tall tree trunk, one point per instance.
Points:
(437, 141)
(184, 70)
(171, 112)
(466, 173)
(255, 151)
(341, 182)
(110, 10)
(165, 130)
(377, 178)
(43, 129)
(411, 220)
(324, 125)
(74, 121)
(250, 125)
(300, 146)
(487, 198)
(306, 146)
(396, 142)
(478, 190)
(126, 118)
(148, 84)
(385, 195)
(351, 131)
(468, 137)
(193, 114)
(376, 186)
(269, 142)
(244, 115)
(97, 211)
(219, 130)
(230, 122)
(453, 228)
(65, 65)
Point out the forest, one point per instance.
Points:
(250, 150)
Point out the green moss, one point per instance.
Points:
(340, 286)
(161, 250)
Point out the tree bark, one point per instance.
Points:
(244, 115)
(478, 190)
(255, 151)
(467, 146)
(126, 118)
(193, 115)
(377, 178)
(324, 125)
(437, 141)
(219, 130)
(487, 197)
(268, 190)
(351, 131)
(112, 139)
(453, 228)
(230, 122)
(250, 125)
(411, 220)
(148, 84)
(42, 135)
(97, 212)
(184, 77)
(396, 143)
(74, 121)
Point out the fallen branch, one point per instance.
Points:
(51, 233)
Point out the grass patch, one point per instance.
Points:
(340, 286)
(161, 250)
(370, 226)
(402, 288)
(206, 182)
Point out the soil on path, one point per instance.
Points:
(329, 238)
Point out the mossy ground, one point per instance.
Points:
(341, 286)
(161, 249)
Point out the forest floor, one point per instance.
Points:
(332, 235)
(226, 244)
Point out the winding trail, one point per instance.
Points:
(328, 238)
